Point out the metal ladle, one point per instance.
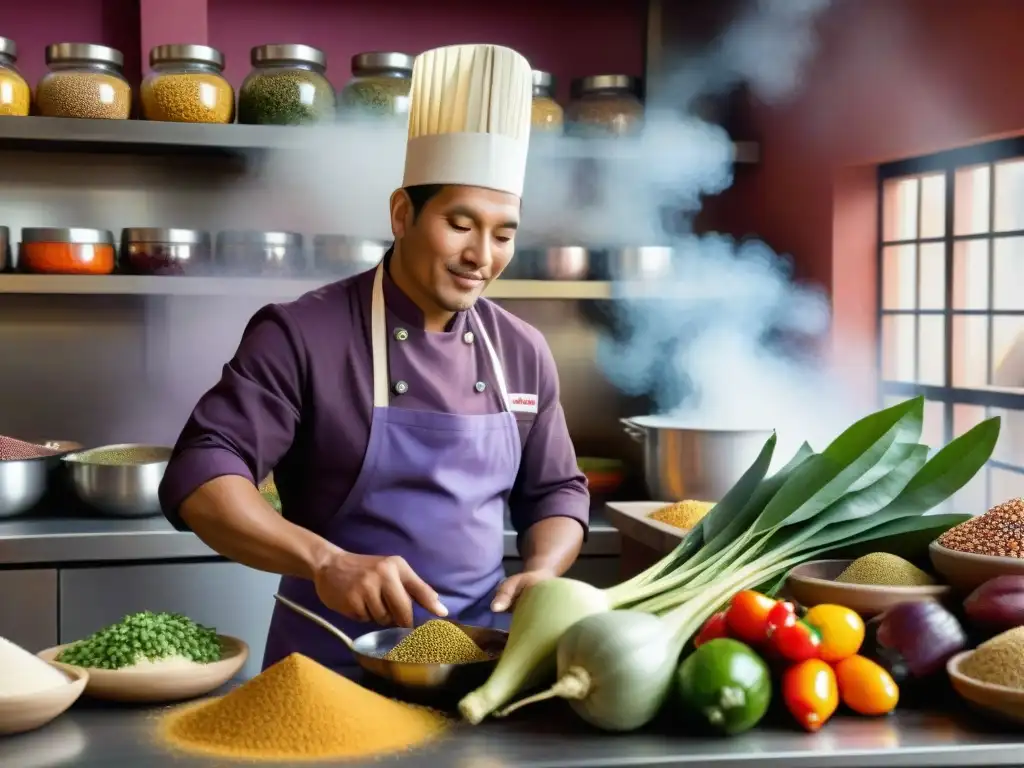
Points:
(369, 651)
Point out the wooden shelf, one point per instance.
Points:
(271, 288)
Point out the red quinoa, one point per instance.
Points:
(1000, 532)
(18, 450)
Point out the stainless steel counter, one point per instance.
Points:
(68, 540)
(92, 735)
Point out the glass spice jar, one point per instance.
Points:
(84, 81)
(287, 86)
(605, 105)
(15, 95)
(546, 114)
(243, 252)
(157, 251)
(187, 86)
(66, 251)
(379, 86)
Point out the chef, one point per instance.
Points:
(400, 413)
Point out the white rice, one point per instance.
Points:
(23, 673)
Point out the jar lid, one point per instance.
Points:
(305, 54)
(84, 52)
(582, 85)
(169, 236)
(202, 54)
(543, 83)
(382, 60)
(73, 235)
(258, 239)
(8, 48)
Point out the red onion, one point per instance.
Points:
(997, 604)
(923, 633)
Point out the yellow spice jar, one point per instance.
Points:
(15, 95)
(546, 115)
(84, 81)
(187, 85)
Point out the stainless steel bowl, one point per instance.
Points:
(568, 262)
(22, 484)
(119, 490)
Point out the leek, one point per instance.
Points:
(873, 482)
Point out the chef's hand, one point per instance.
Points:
(513, 586)
(373, 588)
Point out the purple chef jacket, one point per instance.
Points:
(297, 398)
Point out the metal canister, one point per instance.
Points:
(156, 251)
(250, 252)
(342, 255)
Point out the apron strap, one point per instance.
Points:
(379, 347)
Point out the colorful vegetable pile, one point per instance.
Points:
(615, 653)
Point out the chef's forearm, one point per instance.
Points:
(231, 517)
(552, 544)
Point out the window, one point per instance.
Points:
(951, 301)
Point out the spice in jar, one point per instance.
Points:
(286, 87)
(605, 106)
(546, 114)
(187, 86)
(379, 86)
(299, 710)
(437, 642)
(156, 251)
(15, 95)
(998, 532)
(67, 251)
(84, 81)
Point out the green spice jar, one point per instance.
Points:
(187, 86)
(287, 86)
(84, 80)
(547, 114)
(379, 86)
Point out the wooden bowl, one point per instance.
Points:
(966, 571)
(815, 583)
(1000, 700)
(26, 712)
(161, 684)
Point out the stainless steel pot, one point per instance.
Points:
(120, 490)
(650, 262)
(22, 485)
(683, 462)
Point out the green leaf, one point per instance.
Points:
(934, 525)
(912, 546)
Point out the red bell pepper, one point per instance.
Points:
(797, 641)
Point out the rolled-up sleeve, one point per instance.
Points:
(549, 483)
(248, 420)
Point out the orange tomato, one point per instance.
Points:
(747, 616)
(842, 631)
(810, 692)
(865, 687)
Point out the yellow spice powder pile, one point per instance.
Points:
(1000, 532)
(436, 642)
(884, 569)
(298, 710)
(683, 514)
(999, 661)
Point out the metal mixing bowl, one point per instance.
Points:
(22, 485)
(120, 490)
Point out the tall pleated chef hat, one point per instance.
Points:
(469, 118)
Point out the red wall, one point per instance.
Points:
(893, 79)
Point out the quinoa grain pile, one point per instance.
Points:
(999, 532)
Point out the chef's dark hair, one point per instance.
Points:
(420, 195)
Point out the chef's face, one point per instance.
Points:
(458, 243)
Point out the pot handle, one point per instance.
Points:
(634, 430)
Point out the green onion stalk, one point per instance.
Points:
(874, 482)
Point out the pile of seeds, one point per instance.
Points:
(884, 569)
(683, 514)
(999, 661)
(437, 642)
(1000, 532)
(289, 97)
(18, 450)
(188, 97)
(84, 94)
(122, 456)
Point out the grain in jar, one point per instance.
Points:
(379, 87)
(84, 81)
(546, 114)
(159, 251)
(187, 85)
(287, 86)
(15, 95)
(67, 251)
(605, 105)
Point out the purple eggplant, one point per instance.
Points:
(998, 604)
(916, 639)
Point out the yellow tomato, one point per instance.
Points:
(842, 631)
(865, 687)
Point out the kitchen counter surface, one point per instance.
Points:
(93, 735)
(38, 540)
